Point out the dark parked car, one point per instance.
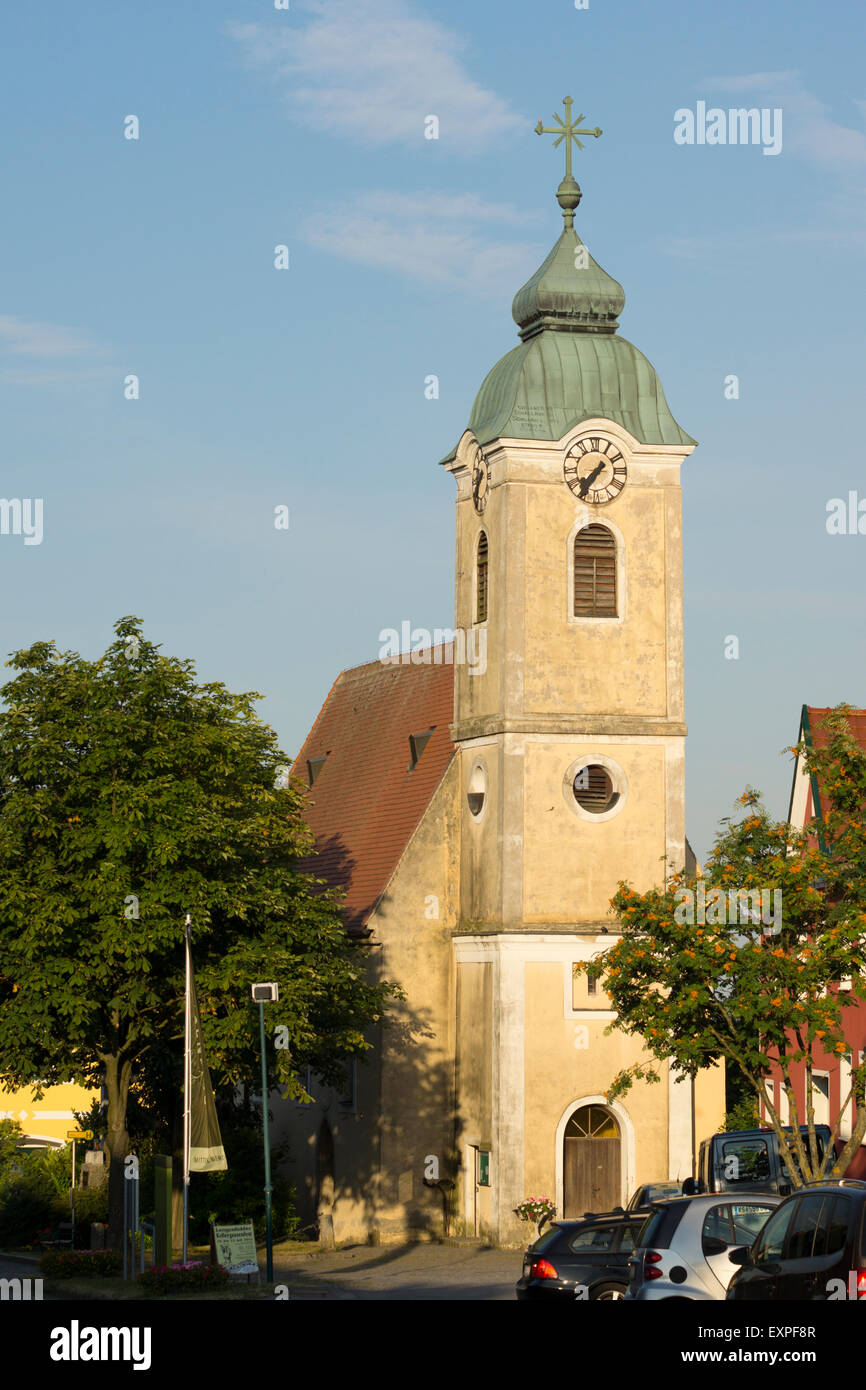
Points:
(748, 1160)
(581, 1259)
(813, 1247)
(649, 1192)
(642, 1199)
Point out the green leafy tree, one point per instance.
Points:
(751, 984)
(10, 1154)
(129, 797)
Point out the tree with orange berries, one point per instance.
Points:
(744, 963)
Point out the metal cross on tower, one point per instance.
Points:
(567, 130)
(568, 193)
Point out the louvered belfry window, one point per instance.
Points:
(481, 580)
(594, 573)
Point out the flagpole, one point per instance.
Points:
(187, 1088)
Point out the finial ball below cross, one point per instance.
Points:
(568, 193)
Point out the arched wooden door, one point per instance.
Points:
(591, 1162)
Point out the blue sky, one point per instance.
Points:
(305, 387)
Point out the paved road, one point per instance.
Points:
(18, 1269)
(416, 1272)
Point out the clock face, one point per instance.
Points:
(595, 470)
(480, 481)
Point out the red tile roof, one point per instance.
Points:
(813, 718)
(856, 723)
(366, 803)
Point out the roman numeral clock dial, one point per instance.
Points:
(595, 470)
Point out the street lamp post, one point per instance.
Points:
(262, 994)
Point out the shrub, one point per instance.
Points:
(23, 1212)
(237, 1195)
(193, 1277)
(80, 1264)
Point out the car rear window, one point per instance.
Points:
(593, 1238)
(630, 1236)
(545, 1240)
(662, 1224)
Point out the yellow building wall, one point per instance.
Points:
(50, 1117)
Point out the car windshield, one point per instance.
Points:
(745, 1160)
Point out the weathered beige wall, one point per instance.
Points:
(571, 865)
(709, 1102)
(590, 666)
(558, 1074)
(481, 860)
(474, 1073)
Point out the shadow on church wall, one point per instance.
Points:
(361, 1173)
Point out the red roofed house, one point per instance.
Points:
(831, 1075)
(479, 802)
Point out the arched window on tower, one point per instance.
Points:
(595, 573)
(481, 579)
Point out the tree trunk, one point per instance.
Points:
(117, 1078)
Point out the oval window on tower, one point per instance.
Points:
(476, 794)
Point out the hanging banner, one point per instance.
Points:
(206, 1152)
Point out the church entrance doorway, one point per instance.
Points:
(591, 1162)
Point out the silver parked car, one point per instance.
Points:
(684, 1246)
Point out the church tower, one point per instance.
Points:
(569, 726)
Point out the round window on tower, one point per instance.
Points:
(476, 792)
(595, 788)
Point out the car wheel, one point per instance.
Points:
(606, 1293)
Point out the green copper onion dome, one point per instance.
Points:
(568, 291)
(571, 364)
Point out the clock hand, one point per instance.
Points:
(586, 483)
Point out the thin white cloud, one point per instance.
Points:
(446, 240)
(808, 130)
(48, 354)
(371, 71)
(24, 338)
(834, 218)
(748, 82)
(59, 376)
